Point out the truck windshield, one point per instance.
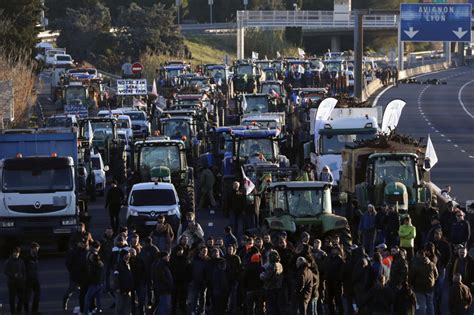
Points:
(270, 124)
(95, 163)
(245, 69)
(216, 73)
(334, 143)
(395, 170)
(176, 128)
(253, 147)
(37, 180)
(255, 104)
(136, 116)
(75, 93)
(153, 197)
(152, 156)
(334, 66)
(299, 202)
(267, 88)
(59, 122)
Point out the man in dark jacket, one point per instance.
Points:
(113, 202)
(148, 253)
(163, 282)
(95, 270)
(252, 286)
(392, 225)
(333, 275)
(124, 288)
(220, 287)
(180, 270)
(106, 245)
(199, 280)
(422, 276)
(76, 266)
(16, 275)
(447, 219)
(33, 288)
(463, 265)
(460, 298)
(233, 270)
(304, 285)
(460, 230)
(236, 206)
(443, 251)
(137, 266)
(380, 298)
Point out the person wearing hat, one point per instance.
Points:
(304, 285)
(326, 175)
(33, 287)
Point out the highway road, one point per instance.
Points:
(446, 112)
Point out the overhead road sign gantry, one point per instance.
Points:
(428, 22)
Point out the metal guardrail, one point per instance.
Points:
(323, 20)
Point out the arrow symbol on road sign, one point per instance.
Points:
(411, 32)
(460, 33)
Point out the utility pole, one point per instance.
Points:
(358, 52)
(210, 2)
(178, 7)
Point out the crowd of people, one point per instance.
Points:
(396, 268)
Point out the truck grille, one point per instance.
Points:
(32, 209)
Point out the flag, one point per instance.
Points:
(154, 91)
(391, 115)
(301, 53)
(329, 53)
(249, 186)
(278, 55)
(322, 115)
(430, 155)
(244, 103)
(300, 69)
(254, 55)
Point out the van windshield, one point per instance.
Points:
(153, 197)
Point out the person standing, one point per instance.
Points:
(113, 202)
(162, 235)
(76, 266)
(33, 288)
(367, 229)
(16, 275)
(207, 181)
(460, 297)
(460, 230)
(407, 233)
(124, 277)
(422, 276)
(149, 254)
(163, 281)
(304, 285)
(272, 278)
(199, 267)
(95, 271)
(236, 205)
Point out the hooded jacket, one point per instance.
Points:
(272, 277)
(304, 283)
(407, 235)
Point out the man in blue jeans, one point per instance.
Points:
(422, 277)
(367, 229)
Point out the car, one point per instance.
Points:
(124, 123)
(63, 59)
(147, 201)
(140, 124)
(49, 59)
(99, 169)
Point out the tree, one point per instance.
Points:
(142, 29)
(83, 30)
(18, 32)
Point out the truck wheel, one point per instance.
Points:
(345, 237)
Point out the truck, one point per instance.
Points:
(40, 187)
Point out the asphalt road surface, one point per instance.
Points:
(446, 113)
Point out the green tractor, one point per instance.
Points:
(386, 170)
(301, 206)
(165, 160)
(100, 135)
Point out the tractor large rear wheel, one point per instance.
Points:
(187, 199)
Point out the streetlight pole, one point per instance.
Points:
(211, 2)
(246, 2)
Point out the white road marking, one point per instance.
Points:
(471, 157)
(380, 95)
(460, 99)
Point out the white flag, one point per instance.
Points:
(278, 55)
(254, 55)
(248, 184)
(154, 90)
(244, 103)
(301, 53)
(392, 114)
(430, 155)
(300, 69)
(322, 115)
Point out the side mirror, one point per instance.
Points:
(106, 168)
